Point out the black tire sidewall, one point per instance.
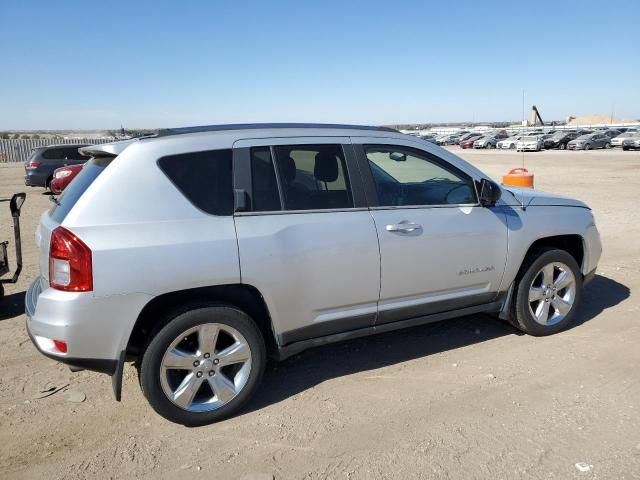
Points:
(152, 358)
(523, 316)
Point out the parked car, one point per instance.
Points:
(324, 222)
(44, 160)
(489, 141)
(429, 138)
(560, 139)
(509, 143)
(590, 141)
(631, 143)
(619, 140)
(530, 143)
(451, 139)
(468, 143)
(468, 135)
(612, 133)
(62, 177)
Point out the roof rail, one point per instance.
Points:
(253, 126)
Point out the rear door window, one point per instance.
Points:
(204, 178)
(313, 177)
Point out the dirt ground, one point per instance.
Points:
(468, 398)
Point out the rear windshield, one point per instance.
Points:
(77, 187)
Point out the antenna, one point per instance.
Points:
(523, 120)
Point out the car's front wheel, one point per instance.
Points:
(547, 292)
(203, 365)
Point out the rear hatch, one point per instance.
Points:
(100, 158)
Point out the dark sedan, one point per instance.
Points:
(560, 140)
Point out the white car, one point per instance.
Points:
(509, 143)
(619, 140)
(530, 143)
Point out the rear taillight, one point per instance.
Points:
(32, 164)
(70, 263)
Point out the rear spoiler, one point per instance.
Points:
(112, 149)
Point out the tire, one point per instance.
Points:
(512, 147)
(625, 148)
(563, 146)
(47, 184)
(530, 283)
(587, 146)
(228, 330)
(607, 146)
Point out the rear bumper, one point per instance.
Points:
(35, 178)
(95, 329)
(39, 329)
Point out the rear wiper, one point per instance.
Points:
(54, 199)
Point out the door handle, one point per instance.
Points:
(404, 227)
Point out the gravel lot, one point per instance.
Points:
(468, 398)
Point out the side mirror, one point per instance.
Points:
(490, 193)
(16, 204)
(398, 157)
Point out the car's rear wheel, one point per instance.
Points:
(625, 148)
(203, 365)
(607, 145)
(547, 292)
(587, 146)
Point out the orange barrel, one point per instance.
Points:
(518, 177)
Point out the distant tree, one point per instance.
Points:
(16, 136)
(35, 136)
(5, 135)
(25, 137)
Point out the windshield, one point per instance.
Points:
(77, 187)
(529, 139)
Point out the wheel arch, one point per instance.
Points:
(245, 297)
(573, 244)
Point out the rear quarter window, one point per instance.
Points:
(77, 187)
(204, 178)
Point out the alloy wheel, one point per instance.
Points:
(205, 367)
(552, 293)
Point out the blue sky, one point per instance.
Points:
(73, 64)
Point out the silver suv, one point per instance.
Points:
(201, 251)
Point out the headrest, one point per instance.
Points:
(287, 168)
(326, 167)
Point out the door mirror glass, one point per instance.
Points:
(490, 193)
